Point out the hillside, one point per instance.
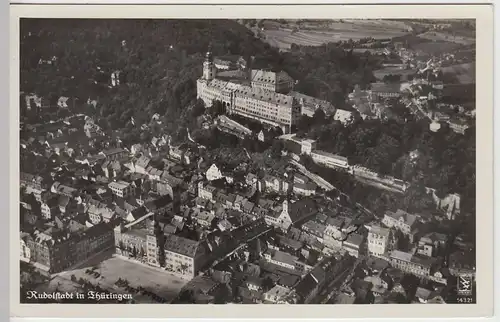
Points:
(160, 61)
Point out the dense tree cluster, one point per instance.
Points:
(444, 160)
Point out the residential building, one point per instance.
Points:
(159, 205)
(131, 240)
(343, 116)
(458, 125)
(413, 264)
(184, 256)
(100, 213)
(25, 254)
(286, 260)
(271, 183)
(354, 244)
(213, 173)
(385, 90)
(333, 236)
(121, 189)
(206, 191)
(115, 154)
(55, 250)
(277, 294)
(50, 207)
(432, 244)
(378, 241)
(291, 213)
(64, 190)
(400, 220)
(139, 240)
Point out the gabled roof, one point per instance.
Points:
(283, 257)
(139, 212)
(306, 286)
(409, 219)
(52, 202)
(301, 208)
(379, 231)
(63, 200)
(183, 246)
(423, 293)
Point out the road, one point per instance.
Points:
(240, 246)
(322, 182)
(338, 282)
(317, 179)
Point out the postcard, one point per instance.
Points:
(305, 161)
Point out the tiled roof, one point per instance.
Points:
(283, 257)
(312, 101)
(119, 185)
(265, 95)
(379, 231)
(397, 254)
(409, 219)
(63, 201)
(306, 285)
(301, 208)
(181, 245)
(259, 75)
(355, 239)
(422, 293)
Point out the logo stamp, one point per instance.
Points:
(464, 286)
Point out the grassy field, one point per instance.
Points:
(317, 33)
(437, 47)
(448, 37)
(465, 73)
(111, 268)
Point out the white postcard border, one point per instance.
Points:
(484, 163)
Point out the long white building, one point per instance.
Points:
(260, 95)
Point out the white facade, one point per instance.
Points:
(378, 241)
(342, 116)
(261, 101)
(121, 189)
(330, 160)
(25, 252)
(213, 173)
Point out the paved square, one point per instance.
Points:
(112, 268)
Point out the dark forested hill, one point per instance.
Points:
(160, 61)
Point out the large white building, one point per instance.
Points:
(378, 241)
(260, 95)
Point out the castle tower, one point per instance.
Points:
(209, 69)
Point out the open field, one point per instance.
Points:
(465, 73)
(437, 47)
(318, 33)
(447, 36)
(111, 269)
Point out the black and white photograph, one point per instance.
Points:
(247, 161)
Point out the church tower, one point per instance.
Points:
(209, 69)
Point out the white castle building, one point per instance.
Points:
(261, 95)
